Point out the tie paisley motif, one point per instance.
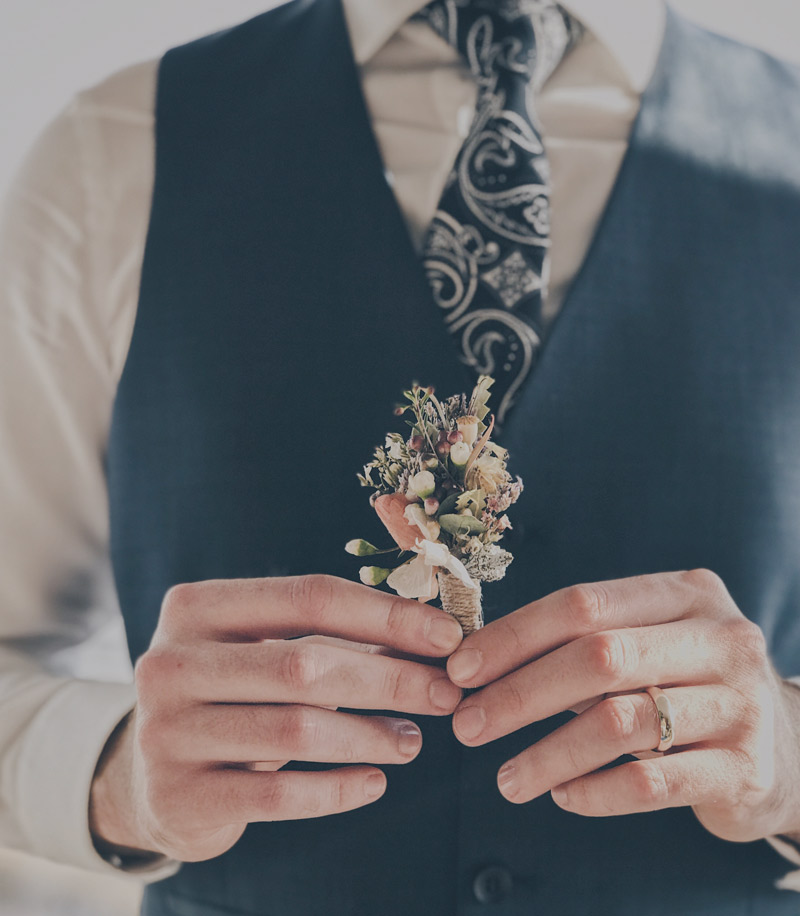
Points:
(486, 250)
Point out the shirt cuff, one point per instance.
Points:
(54, 771)
(790, 851)
(786, 847)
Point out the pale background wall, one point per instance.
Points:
(51, 48)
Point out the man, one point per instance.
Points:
(221, 391)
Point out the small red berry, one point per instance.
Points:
(455, 436)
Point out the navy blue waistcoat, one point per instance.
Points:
(283, 309)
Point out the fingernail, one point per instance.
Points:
(465, 664)
(444, 694)
(409, 739)
(469, 722)
(559, 795)
(444, 633)
(375, 785)
(506, 778)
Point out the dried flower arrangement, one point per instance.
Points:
(442, 494)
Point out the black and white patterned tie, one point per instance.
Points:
(486, 251)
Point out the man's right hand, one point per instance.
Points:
(226, 696)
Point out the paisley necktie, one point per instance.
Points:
(486, 250)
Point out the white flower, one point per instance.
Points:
(459, 454)
(439, 555)
(488, 474)
(394, 448)
(417, 577)
(358, 547)
(468, 427)
(422, 484)
(373, 575)
(416, 515)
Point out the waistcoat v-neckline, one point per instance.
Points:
(574, 300)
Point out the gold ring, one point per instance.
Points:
(665, 718)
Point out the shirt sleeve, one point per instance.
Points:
(65, 679)
(788, 848)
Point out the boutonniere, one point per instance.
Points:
(442, 492)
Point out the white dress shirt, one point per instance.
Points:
(71, 251)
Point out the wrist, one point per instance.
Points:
(112, 817)
(788, 764)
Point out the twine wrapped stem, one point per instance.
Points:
(465, 604)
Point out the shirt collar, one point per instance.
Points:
(631, 30)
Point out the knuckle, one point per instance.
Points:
(649, 785)
(180, 600)
(512, 632)
(396, 620)
(587, 605)
(144, 671)
(394, 686)
(575, 758)
(514, 699)
(606, 657)
(298, 731)
(274, 795)
(705, 581)
(311, 596)
(748, 642)
(620, 721)
(155, 671)
(750, 723)
(349, 788)
(338, 793)
(300, 666)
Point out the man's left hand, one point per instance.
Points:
(593, 649)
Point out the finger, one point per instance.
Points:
(246, 610)
(246, 734)
(691, 777)
(369, 648)
(617, 660)
(624, 724)
(365, 647)
(235, 796)
(295, 671)
(568, 614)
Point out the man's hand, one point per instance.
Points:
(591, 649)
(226, 697)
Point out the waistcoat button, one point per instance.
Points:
(493, 884)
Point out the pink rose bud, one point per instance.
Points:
(455, 436)
(390, 508)
(431, 505)
(416, 443)
(443, 449)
